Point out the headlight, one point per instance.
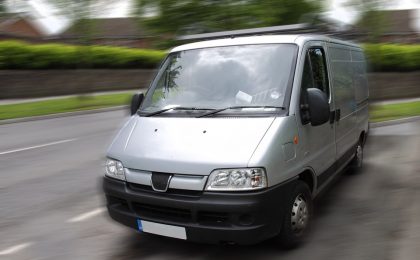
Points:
(237, 179)
(114, 169)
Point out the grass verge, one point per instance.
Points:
(379, 113)
(61, 105)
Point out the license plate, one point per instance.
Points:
(161, 229)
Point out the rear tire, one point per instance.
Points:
(297, 217)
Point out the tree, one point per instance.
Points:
(214, 15)
(80, 12)
(372, 19)
(2, 7)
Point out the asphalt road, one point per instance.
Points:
(51, 204)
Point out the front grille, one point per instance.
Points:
(160, 181)
(176, 192)
(208, 217)
(164, 213)
(180, 215)
(154, 212)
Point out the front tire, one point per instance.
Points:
(297, 217)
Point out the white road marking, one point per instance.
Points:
(37, 146)
(86, 215)
(14, 249)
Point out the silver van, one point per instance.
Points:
(235, 137)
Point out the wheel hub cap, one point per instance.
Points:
(359, 155)
(300, 214)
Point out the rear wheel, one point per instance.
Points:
(298, 217)
(357, 162)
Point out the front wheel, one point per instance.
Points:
(297, 217)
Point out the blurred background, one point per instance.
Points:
(103, 45)
(70, 47)
(69, 67)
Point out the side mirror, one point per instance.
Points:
(318, 107)
(136, 102)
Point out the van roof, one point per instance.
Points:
(300, 40)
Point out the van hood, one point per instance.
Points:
(188, 145)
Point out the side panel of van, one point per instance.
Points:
(344, 97)
(361, 89)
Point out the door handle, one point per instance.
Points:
(337, 115)
(332, 117)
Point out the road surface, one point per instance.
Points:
(51, 204)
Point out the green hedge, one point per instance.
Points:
(20, 55)
(393, 57)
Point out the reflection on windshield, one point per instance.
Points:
(246, 75)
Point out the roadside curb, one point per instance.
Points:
(58, 115)
(395, 122)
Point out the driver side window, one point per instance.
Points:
(315, 71)
(314, 76)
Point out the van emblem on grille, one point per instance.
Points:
(160, 181)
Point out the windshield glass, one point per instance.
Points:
(219, 77)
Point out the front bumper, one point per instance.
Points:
(209, 217)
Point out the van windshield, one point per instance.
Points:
(221, 77)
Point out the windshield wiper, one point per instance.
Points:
(215, 111)
(175, 108)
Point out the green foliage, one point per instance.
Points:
(198, 15)
(374, 23)
(393, 57)
(62, 105)
(394, 111)
(20, 55)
